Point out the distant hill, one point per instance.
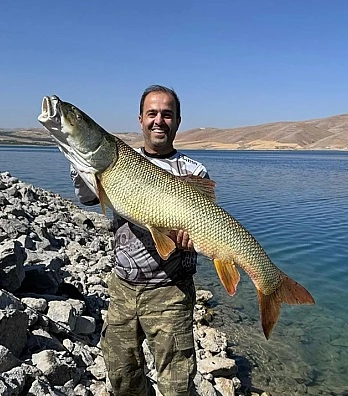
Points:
(39, 136)
(323, 133)
(330, 133)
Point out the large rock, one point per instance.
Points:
(12, 257)
(7, 360)
(9, 301)
(13, 330)
(40, 279)
(62, 315)
(14, 380)
(218, 366)
(57, 367)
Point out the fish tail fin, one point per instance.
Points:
(289, 292)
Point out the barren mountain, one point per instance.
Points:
(39, 136)
(323, 133)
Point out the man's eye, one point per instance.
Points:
(168, 116)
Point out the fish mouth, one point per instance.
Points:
(51, 118)
(50, 109)
(47, 107)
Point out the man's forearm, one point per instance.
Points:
(82, 191)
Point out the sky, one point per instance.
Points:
(232, 62)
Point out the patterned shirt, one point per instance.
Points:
(136, 258)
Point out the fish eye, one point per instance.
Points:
(78, 116)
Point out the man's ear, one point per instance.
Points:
(140, 118)
(178, 121)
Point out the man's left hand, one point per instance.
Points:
(183, 241)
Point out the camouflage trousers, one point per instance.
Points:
(164, 315)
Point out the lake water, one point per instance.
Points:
(296, 205)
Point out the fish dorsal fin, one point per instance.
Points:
(203, 185)
(228, 274)
(164, 244)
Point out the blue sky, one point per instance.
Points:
(232, 62)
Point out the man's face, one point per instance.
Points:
(159, 122)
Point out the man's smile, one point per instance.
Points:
(158, 131)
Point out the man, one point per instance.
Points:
(150, 297)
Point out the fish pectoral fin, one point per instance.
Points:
(203, 185)
(103, 198)
(228, 274)
(164, 244)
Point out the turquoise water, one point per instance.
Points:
(296, 205)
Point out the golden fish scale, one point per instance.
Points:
(148, 195)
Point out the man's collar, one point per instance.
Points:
(160, 156)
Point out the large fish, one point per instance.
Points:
(154, 199)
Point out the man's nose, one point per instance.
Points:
(159, 118)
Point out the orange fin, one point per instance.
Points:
(289, 292)
(228, 274)
(164, 244)
(103, 199)
(269, 311)
(203, 185)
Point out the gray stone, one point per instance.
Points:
(41, 387)
(82, 353)
(79, 306)
(26, 242)
(13, 227)
(7, 359)
(84, 325)
(203, 296)
(99, 389)
(98, 369)
(57, 367)
(203, 387)
(62, 315)
(13, 329)
(217, 366)
(81, 390)
(12, 257)
(213, 340)
(40, 339)
(4, 391)
(14, 380)
(40, 279)
(9, 301)
(224, 386)
(38, 304)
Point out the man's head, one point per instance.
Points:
(159, 118)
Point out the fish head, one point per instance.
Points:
(74, 131)
(88, 147)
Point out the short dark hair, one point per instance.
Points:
(160, 88)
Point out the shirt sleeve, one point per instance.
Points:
(201, 171)
(82, 192)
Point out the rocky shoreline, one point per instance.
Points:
(55, 259)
